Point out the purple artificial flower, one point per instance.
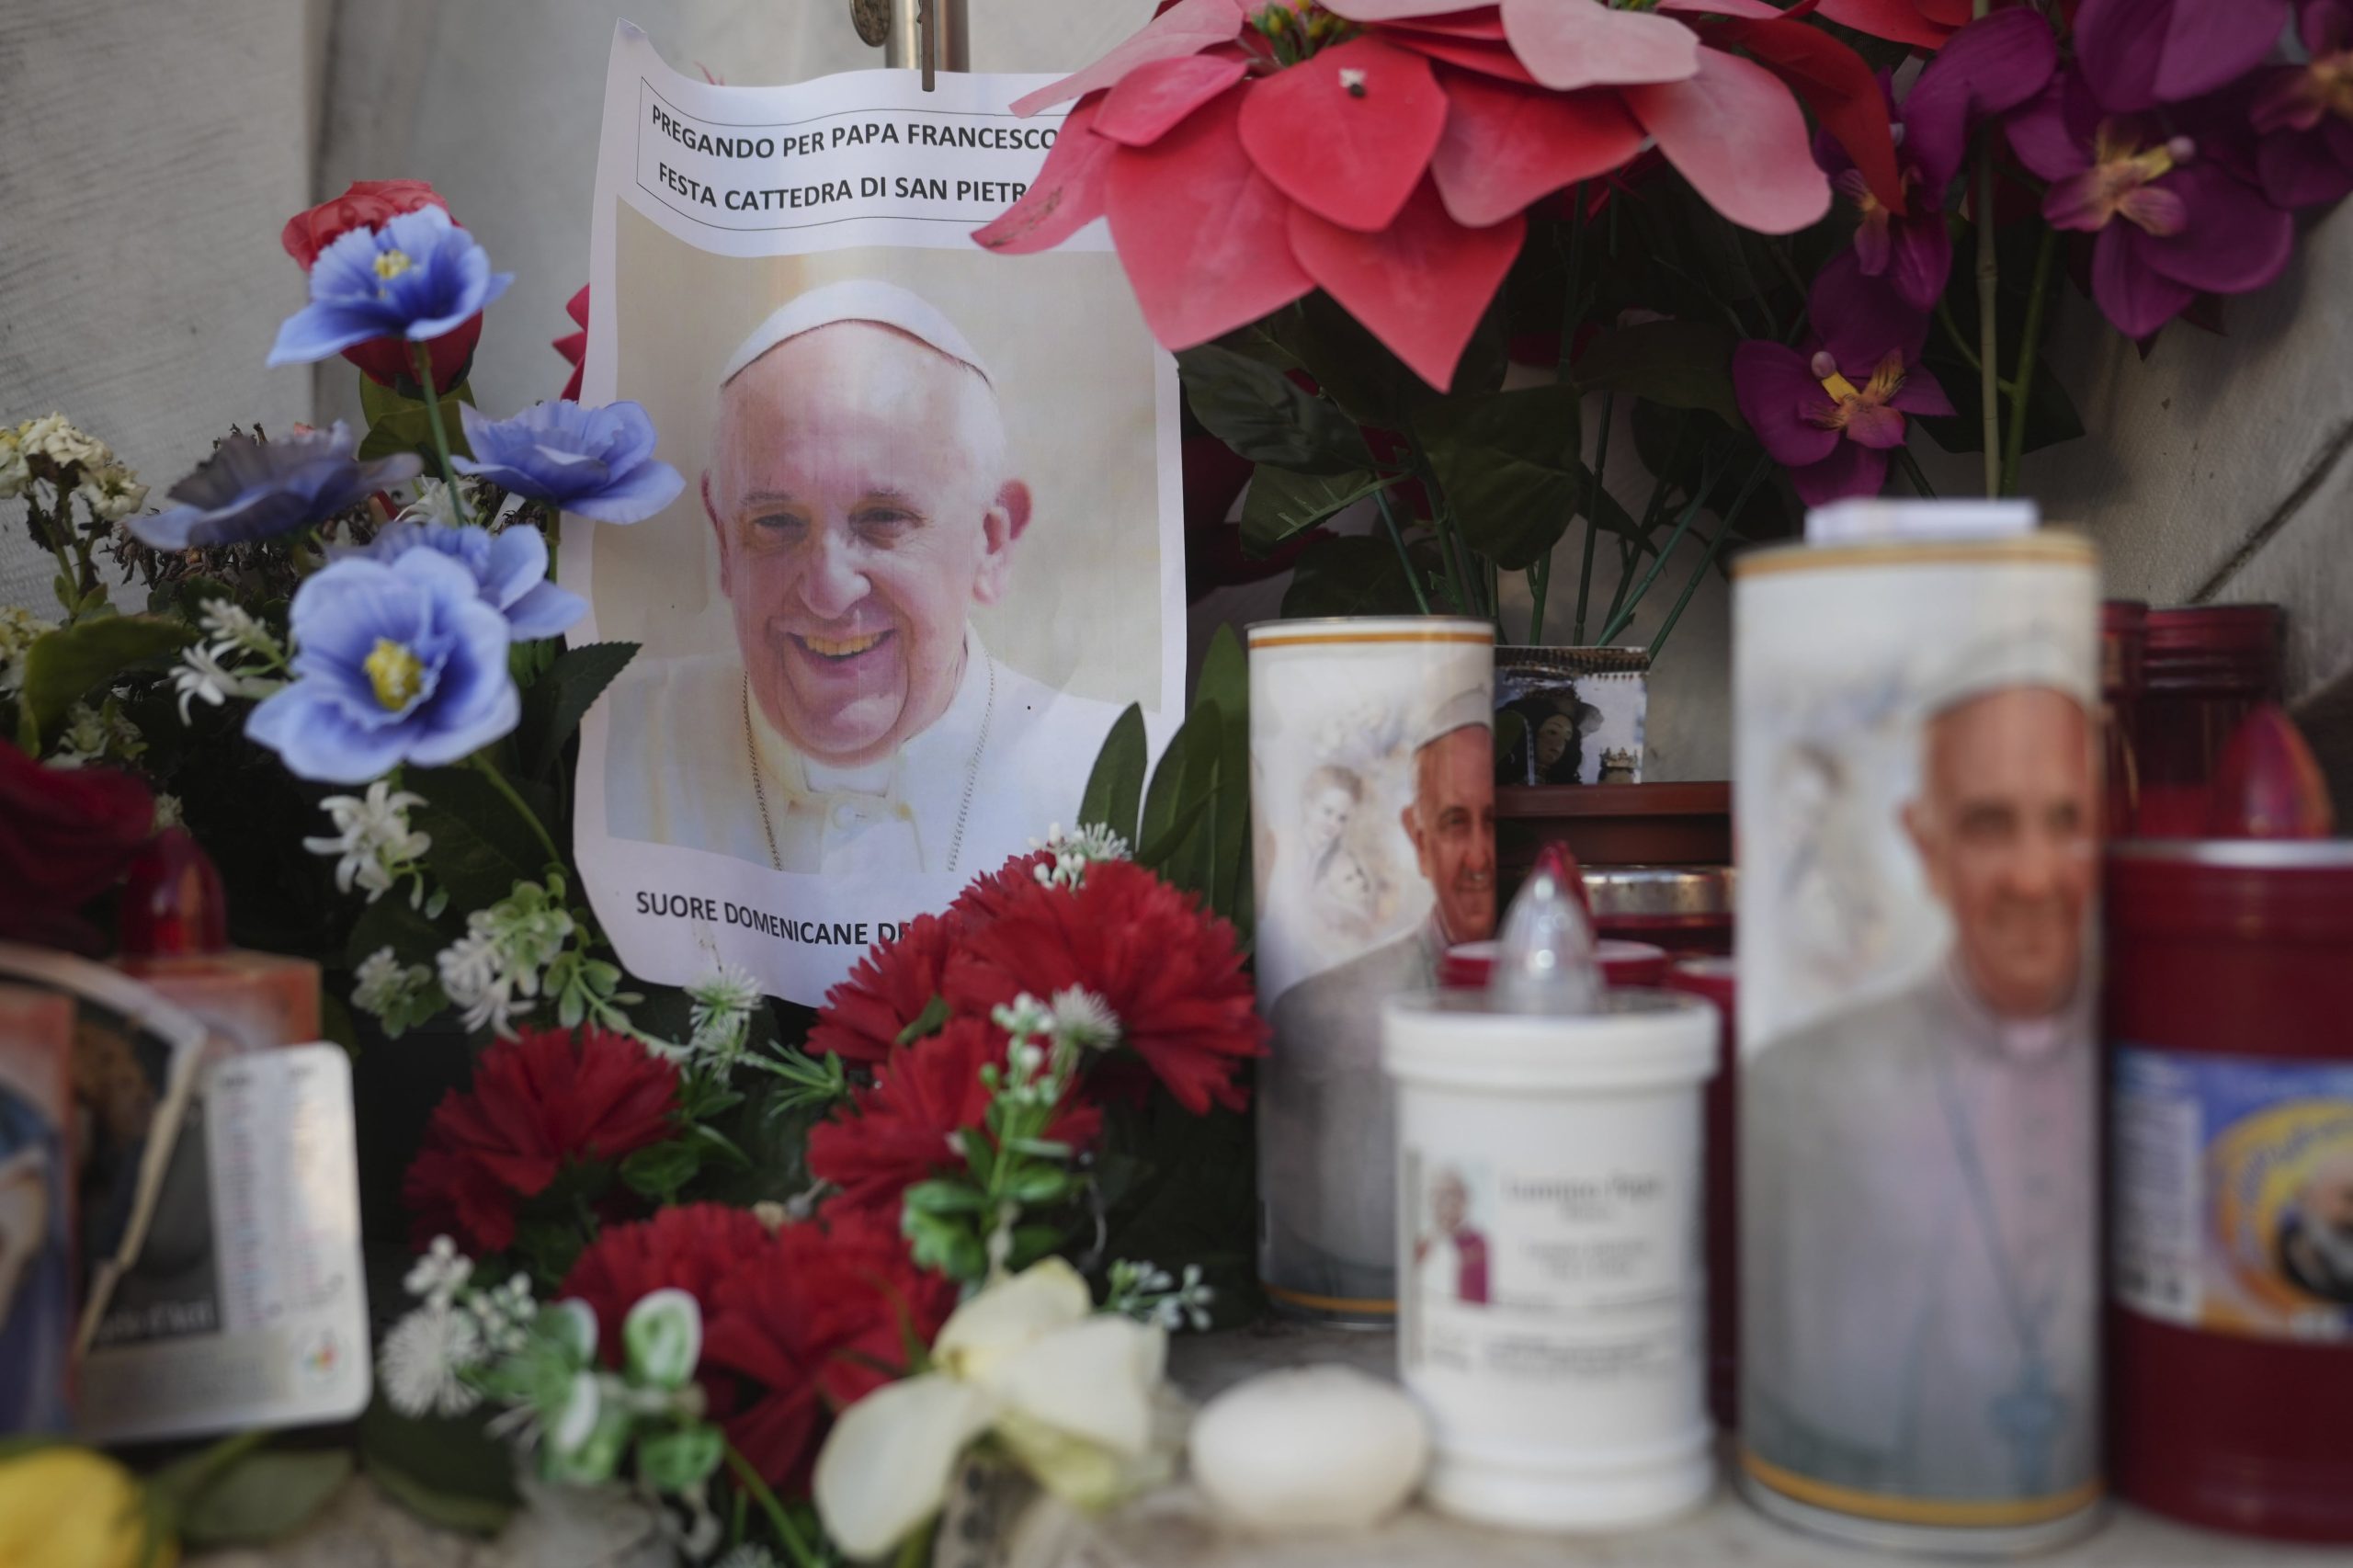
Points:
(2304, 114)
(1831, 413)
(249, 489)
(1989, 68)
(393, 662)
(418, 277)
(2171, 227)
(510, 571)
(596, 462)
(2139, 54)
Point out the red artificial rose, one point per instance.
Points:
(370, 204)
(692, 1247)
(1169, 971)
(539, 1103)
(814, 1322)
(66, 836)
(899, 1134)
(864, 1015)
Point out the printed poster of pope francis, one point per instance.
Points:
(928, 551)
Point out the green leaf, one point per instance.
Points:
(944, 1198)
(482, 846)
(1356, 575)
(659, 1170)
(1116, 784)
(1224, 684)
(559, 699)
(1163, 800)
(1507, 462)
(1259, 412)
(1682, 364)
(264, 1497)
(1282, 503)
(679, 1460)
(403, 425)
(1036, 1187)
(450, 1472)
(63, 666)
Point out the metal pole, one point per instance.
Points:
(912, 44)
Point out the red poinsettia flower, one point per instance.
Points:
(1170, 972)
(692, 1247)
(573, 345)
(1923, 24)
(901, 1131)
(814, 1322)
(1385, 151)
(864, 1015)
(539, 1102)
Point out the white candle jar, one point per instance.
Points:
(1550, 1288)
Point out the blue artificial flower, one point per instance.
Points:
(249, 489)
(598, 463)
(510, 570)
(418, 277)
(398, 661)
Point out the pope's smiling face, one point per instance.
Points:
(859, 491)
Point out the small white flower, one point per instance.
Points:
(19, 630)
(112, 491)
(439, 1273)
(202, 675)
(94, 734)
(168, 811)
(374, 840)
(231, 623)
(474, 975)
(54, 438)
(1084, 1020)
(1075, 852)
(385, 987)
(15, 472)
(723, 1000)
(422, 1360)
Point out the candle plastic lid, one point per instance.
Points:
(1638, 1039)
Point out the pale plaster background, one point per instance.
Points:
(154, 151)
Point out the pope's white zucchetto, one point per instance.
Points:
(857, 299)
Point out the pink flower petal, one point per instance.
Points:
(1881, 427)
(1569, 44)
(1067, 195)
(1899, 21)
(1489, 59)
(1202, 235)
(1506, 146)
(1153, 98)
(2132, 295)
(1922, 394)
(1485, 25)
(2231, 240)
(2045, 139)
(1351, 157)
(1754, 10)
(1850, 470)
(1187, 27)
(1400, 10)
(2153, 208)
(1737, 135)
(1774, 387)
(1420, 286)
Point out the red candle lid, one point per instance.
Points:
(2231, 649)
(1468, 965)
(172, 900)
(2282, 891)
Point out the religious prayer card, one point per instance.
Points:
(930, 544)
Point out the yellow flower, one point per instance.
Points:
(66, 1507)
(1070, 1393)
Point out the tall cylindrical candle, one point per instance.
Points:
(1373, 806)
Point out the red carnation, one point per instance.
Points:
(370, 204)
(989, 895)
(691, 1248)
(864, 1015)
(900, 1132)
(66, 836)
(821, 1313)
(1170, 972)
(539, 1103)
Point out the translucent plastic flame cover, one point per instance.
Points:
(1545, 958)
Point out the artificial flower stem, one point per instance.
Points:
(1988, 277)
(749, 1479)
(1450, 548)
(1715, 547)
(1623, 617)
(2037, 299)
(1539, 579)
(1593, 512)
(424, 353)
(489, 770)
(1396, 536)
(1911, 466)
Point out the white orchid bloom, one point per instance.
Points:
(1069, 1391)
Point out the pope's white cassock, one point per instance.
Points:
(1919, 1287)
(693, 762)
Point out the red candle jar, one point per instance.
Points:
(1466, 967)
(2204, 669)
(1712, 978)
(1685, 909)
(2230, 979)
(2123, 648)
